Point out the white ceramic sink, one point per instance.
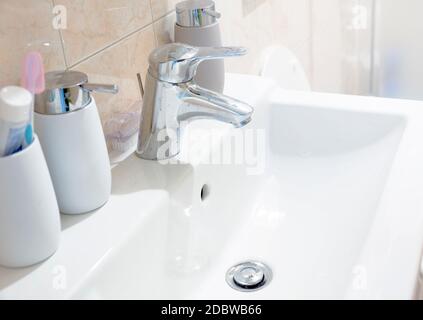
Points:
(335, 208)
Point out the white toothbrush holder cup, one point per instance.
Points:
(29, 214)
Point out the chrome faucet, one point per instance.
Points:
(171, 97)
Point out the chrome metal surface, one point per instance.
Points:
(196, 13)
(249, 276)
(177, 63)
(68, 91)
(101, 88)
(171, 97)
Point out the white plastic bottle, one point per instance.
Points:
(15, 119)
(69, 128)
(197, 25)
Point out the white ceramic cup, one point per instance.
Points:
(77, 156)
(29, 214)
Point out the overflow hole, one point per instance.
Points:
(205, 192)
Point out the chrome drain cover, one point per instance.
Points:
(249, 276)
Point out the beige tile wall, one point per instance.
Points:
(25, 25)
(93, 25)
(111, 39)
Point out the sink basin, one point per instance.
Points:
(332, 203)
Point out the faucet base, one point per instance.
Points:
(148, 158)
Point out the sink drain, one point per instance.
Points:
(249, 276)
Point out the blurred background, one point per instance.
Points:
(397, 49)
(363, 47)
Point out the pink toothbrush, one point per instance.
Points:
(33, 73)
(33, 80)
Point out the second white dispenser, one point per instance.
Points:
(197, 25)
(69, 128)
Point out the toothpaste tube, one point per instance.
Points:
(15, 120)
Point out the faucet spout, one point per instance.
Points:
(171, 97)
(205, 104)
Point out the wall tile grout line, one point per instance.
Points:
(164, 15)
(110, 45)
(74, 48)
(62, 41)
(123, 38)
(153, 23)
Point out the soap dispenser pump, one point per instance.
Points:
(69, 128)
(197, 25)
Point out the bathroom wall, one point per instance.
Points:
(111, 39)
(398, 49)
(342, 45)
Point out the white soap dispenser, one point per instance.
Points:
(70, 131)
(197, 25)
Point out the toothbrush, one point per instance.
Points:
(33, 80)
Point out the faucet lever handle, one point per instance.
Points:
(101, 88)
(177, 62)
(209, 53)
